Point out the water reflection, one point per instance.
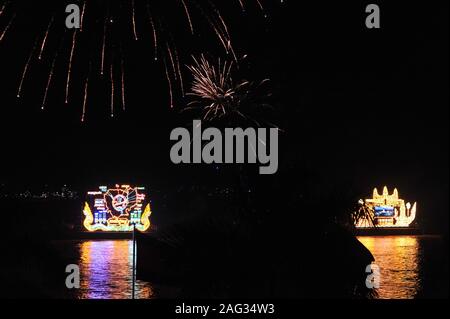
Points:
(398, 258)
(411, 267)
(106, 271)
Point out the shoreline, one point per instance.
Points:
(394, 231)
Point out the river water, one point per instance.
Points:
(106, 271)
(410, 267)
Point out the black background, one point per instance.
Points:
(359, 107)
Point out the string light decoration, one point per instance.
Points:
(388, 211)
(117, 209)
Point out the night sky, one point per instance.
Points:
(358, 107)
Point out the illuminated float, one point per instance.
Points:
(118, 209)
(388, 211)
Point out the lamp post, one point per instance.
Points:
(134, 263)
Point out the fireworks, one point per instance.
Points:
(217, 95)
(106, 28)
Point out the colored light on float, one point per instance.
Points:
(117, 209)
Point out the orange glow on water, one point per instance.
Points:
(398, 258)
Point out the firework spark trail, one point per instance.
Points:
(8, 26)
(3, 7)
(69, 71)
(261, 5)
(172, 62)
(44, 40)
(155, 35)
(83, 11)
(163, 44)
(188, 15)
(221, 19)
(49, 80)
(25, 70)
(221, 34)
(85, 96)
(169, 81)
(102, 63)
(133, 19)
(223, 39)
(226, 37)
(111, 78)
(122, 69)
(177, 62)
(241, 3)
(176, 68)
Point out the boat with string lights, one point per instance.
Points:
(116, 211)
(390, 215)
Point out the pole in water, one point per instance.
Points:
(134, 263)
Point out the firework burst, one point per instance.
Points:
(106, 28)
(216, 95)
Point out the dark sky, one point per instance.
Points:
(367, 106)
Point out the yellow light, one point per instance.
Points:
(405, 214)
(145, 220)
(116, 224)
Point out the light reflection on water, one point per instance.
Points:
(409, 266)
(398, 258)
(106, 271)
